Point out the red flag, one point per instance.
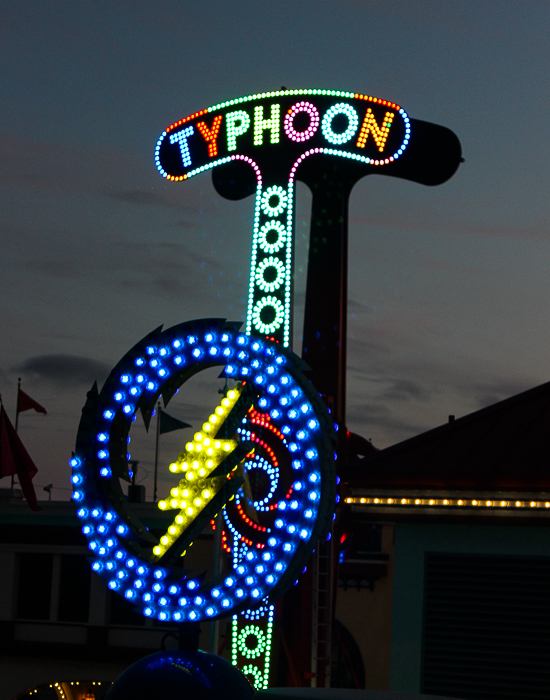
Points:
(25, 403)
(14, 459)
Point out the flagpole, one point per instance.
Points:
(16, 423)
(157, 453)
(17, 404)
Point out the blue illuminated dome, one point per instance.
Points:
(181, 675)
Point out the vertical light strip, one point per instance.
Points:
(288, 280)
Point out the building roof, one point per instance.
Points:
(503, 446)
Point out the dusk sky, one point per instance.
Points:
(449, 298)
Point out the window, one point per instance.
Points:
(122, 612)
(34, 586)
(486, 626)
(74, 589)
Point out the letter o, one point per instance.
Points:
(326, 124)
(309, 109)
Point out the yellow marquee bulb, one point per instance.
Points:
(164, 540)
(197, 437)
(190, 511)
(207, 427)
(179, 519)
(231, 394)
(197, 502)
(173, 467)
(209, 464)
(220, 411)
(162, 505)
(225, 402)
(213, 419)
(174, 503)
(189, 447)
(172, 530)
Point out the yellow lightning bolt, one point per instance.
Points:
(202, 455)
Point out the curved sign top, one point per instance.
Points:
(286, 125)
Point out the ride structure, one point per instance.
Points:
(267, 457)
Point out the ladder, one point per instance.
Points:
(322, 613)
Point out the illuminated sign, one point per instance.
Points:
(366, 129)
(274, 133)
(272, 399)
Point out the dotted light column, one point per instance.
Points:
(271, 265)
(252, 634)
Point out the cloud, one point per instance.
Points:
(493, 392)
(404, 390)
(64, 370)
(364, 417)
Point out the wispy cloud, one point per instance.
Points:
(63, 370)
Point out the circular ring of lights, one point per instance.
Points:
(273, 474)
(251, 631)
(326, 124)
(276, 246)
(254, 671)
(279, 267)
(278, 209)
(261, 304)
(121, 546)
(290, 131)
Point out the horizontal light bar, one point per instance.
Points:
(444, 502)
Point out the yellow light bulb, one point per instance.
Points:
(219, 411)
(173, 467)
(197, 437)
(179, 519)
(172, 530)
(164, 540)
(174, 503)
(213, 419)
(231, 394)
(206, 494)
(190, 511)
(209, 464)
(197, 502)
(162, 505)
(225, 402)
(189, 447)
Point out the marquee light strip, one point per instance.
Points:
(283, 93)
(481, 503)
